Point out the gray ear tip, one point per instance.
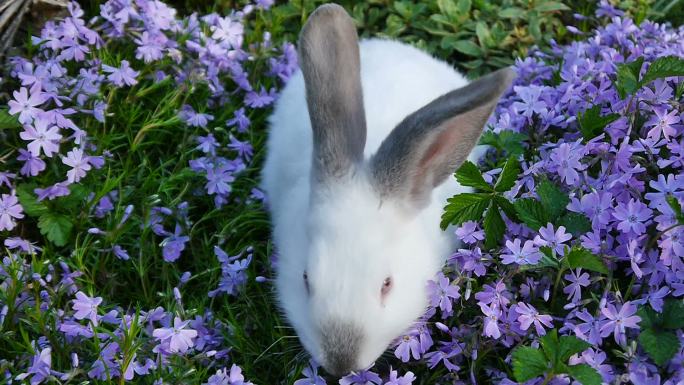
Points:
(328, 12)
(507, 75)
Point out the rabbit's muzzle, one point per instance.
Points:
(341, 346)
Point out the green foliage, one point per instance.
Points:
(506, 142)
(552, 359)
(471, 206)
(581, 257)
(658, 337)
(8, 121)
(592, 123)
(628, 74)
(56, 227)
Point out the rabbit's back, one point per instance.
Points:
(397, 79)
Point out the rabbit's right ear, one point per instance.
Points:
(329, 58)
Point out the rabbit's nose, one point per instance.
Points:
(341, 346)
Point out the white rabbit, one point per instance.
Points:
(356, 212)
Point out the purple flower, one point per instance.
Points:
(529, 315)
(10, 209)
(526, 255)
(194, 119)
(40, 368)
(619, 320)
(631, 217)
(25, 105)
(121, 76)
(491, 321)
(578, 280)
(363, 377)
(179, 338)
(567, 161)
(530, 103)
(240, 120)
(229, 31)
(395, 379)
(244, 149)
(469, 233)
(174, 245)
(42, 137)
(225, 377)
(32, 164)
(441, 292)
(78, 163)
(260, 99)
(408, 346)
(662, 122)
(86, 307)
(207, 144)
(552, 239)
(311, 376)
(52, 192)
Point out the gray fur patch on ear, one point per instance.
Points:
(329, 58)
(428, 145)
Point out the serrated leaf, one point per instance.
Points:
(464, 207)
(506, 141)
(29, 201)
(628, 77)
(592, 123)
(551, 6)
(673, 314)
(56, 227)
(663, 67)
(8, 121)
(528, 363)
(76, 199)
(660, 345)
(470, 175)
(575, 223)
(585, 374)
(531, 212)
(494, 226)
(507, 207)
(552, 198)
(508, 175)
(550, 345)
(570, 345)
(585, 259)
(467, 47)
(649, 318)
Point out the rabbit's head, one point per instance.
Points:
(362, 280)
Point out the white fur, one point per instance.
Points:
(350, 241)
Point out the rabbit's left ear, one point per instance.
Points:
(329, 58)
(431, 143)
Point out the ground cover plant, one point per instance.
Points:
(136, 246)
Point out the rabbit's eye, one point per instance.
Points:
(306, 283)
(386, 286)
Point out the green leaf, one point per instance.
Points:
(663, 67)
(673, 314)
(628, 77)
(592, 123)
(676, 207)
(660, 345)
(570, 345)
(575, 223)
(649, 318)
(469, 175)
(467, 47)
(551, 6)
(464, 207)
(29, 201)
(8, 121)
(508, 175)
(585, 374)
(483, 34)
(552, 198)
(494, 226)
(512, 13)
(56, 227)
(506, 141)
(581, 257)
(76, 200)
(531, 212)
(528, 363)
(507, 207)
(550, 345)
